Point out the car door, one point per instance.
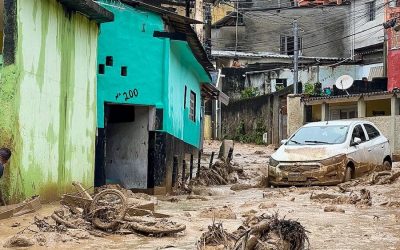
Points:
(358, 153)
(376, 145)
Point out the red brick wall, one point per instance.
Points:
(393, 58)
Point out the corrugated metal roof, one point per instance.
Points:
(350, 95)
(232, 54)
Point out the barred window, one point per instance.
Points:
(371, 11)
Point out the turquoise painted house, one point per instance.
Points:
(153, 76)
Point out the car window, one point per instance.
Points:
(358, 132)
(371, 131)
(326, 134)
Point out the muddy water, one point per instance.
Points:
(374, 227)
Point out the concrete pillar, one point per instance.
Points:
(207, 127)
(295, 113)
(324, 112)
(395, 106)
(361, 108)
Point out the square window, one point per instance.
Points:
(109, 61)
(124, 71)
(101, 69)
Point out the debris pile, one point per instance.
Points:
(108, 211)
(363, 199)
(220, 173)
(384, 177)
(258, 232)
(216, 237)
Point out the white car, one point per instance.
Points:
(328, 153)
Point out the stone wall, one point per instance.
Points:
(295, 113)
(247, 120)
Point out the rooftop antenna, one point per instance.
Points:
(111, 3)
(344, 82)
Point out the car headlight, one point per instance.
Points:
(273, 162)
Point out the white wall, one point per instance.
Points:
(127, 151)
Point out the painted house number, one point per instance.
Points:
(127, 94)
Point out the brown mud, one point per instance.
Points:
(374, 226)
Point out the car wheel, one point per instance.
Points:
(347, 174)
(387, 165)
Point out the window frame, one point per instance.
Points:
(192, 106)
(283, 48)
(371, 11)
(362, 130)
(373, 127)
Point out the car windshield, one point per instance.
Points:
(317, 135)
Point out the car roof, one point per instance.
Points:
(336, 122)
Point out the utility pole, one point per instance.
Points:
(295, 56)
(187, 8)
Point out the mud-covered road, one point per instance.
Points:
(360, 226)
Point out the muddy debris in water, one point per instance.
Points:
(334, 209)
(267, 205)
(224, 212)
(384, 177)
(259, 152)
(197, 197)
(363, 199)
(258, 232)
(241, 186)
(19, 240)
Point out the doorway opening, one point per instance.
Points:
(126, 145)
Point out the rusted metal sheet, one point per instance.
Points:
(28, 206)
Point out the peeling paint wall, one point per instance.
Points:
(50, 120)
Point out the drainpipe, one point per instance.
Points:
(385, 51)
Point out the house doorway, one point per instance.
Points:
(126, 145)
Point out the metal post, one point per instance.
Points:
(187, 8)
(385, 49)
(174, 170)
(191, 167)
(183, 171)
(199, 164)
(295, 56)
(230, 153)
(211, 159)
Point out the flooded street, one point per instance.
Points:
(351, 225)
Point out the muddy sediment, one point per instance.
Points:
(370, 220)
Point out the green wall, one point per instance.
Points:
(49, 96)
(158, 69)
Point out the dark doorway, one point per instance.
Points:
(125, 147)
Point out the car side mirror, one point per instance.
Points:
(284, 141)
(356, 141)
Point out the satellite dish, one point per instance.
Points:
(344, 82)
